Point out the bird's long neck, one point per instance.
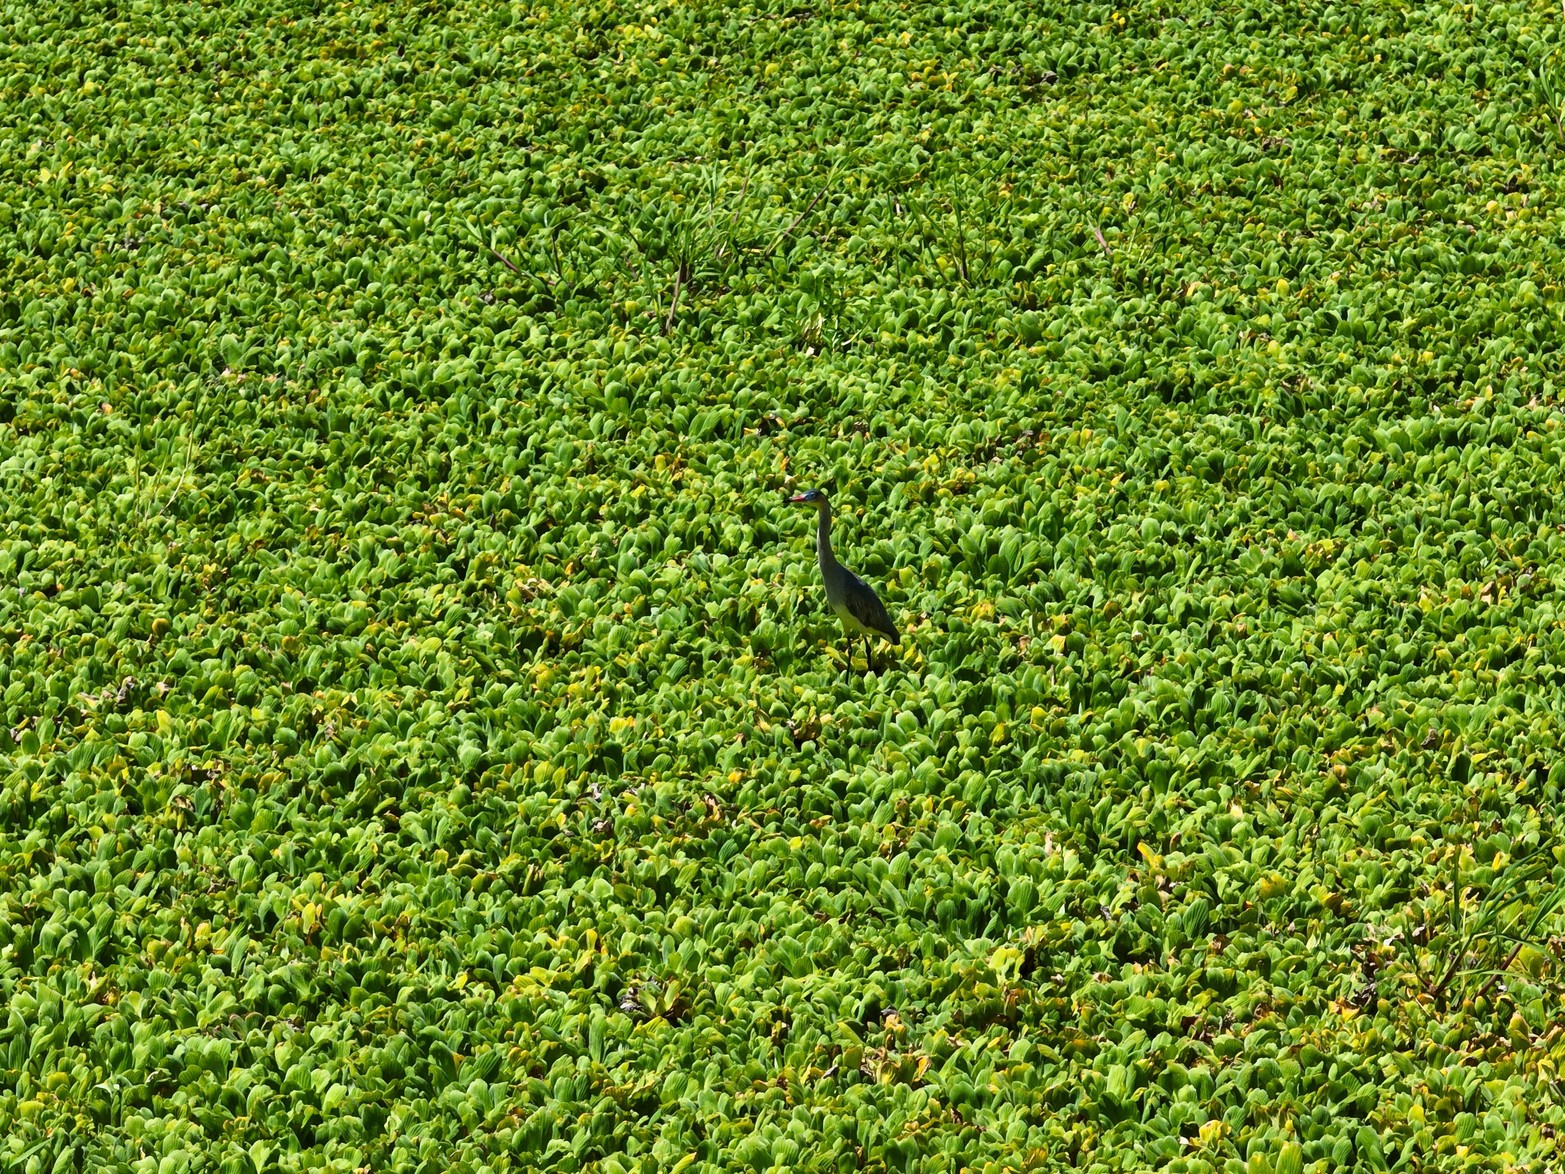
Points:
(823, 536)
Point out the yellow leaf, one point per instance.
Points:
(1273, 885)
(1006, 961)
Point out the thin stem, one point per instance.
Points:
(961, 236)
(797, 219)
(1504, 966)
(491, 250)
(190, 443)
(734, 219)
(673, 305)
(136, 487)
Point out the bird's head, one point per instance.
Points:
(809, 497)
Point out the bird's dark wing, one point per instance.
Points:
(868, 610)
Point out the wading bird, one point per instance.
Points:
(854, 601)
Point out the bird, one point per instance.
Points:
(854, 601)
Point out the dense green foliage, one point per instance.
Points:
(427, 748)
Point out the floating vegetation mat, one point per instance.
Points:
(426, 746)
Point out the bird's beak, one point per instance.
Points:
(797, 498)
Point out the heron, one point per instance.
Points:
(854, 601)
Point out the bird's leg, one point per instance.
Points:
(868, 664)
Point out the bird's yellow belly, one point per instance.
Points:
(849, 620)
